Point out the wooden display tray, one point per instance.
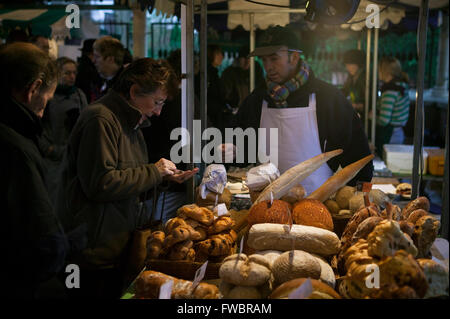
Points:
(183, 269)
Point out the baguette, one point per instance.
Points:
(339, 179)
(307, 238)
(293, 176)
(148, 284)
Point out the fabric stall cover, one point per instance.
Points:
(46, 22)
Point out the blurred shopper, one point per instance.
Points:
(236, 79)
(393, 107)
(60, 116)
(106, 169)
(41, 42)
(215, 93)
(33, 244)
(109, 55)
(88, 79)
(355, 85)
(311, 116)
(17, 35)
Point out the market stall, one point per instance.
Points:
(288, 245)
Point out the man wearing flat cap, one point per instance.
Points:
(311, 116)
(88, 79)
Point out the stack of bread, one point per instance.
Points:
(149, 282)
(397, 242)
(347, 201)
(194, 235)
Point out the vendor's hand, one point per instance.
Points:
(181, 176)
(228, 152)
(165, 167)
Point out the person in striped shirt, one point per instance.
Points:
(393, 106)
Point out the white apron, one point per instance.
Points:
(298, 140)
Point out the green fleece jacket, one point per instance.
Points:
(105, 169)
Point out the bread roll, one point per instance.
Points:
(149, 282)
(240, 270)
(294, 195)
(425, 232)
(437, 278)
(271, 255)
(419, 203)
(200, 214)
(326, 272)
(221, 224)
(307, 238)
(311, 212)
(295, 264)
(320, 290)
(343, 196)
(332, 206)
(278, 212)
(387, 238)
(416, 215)
(154, 244)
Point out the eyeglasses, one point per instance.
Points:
(159, 103)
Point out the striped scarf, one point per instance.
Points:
(280, 93)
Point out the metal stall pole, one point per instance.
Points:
(203, 76)
(419, 119)
(252, 47)
(444, 211)
(366, 110)
(374, 84)
(187, 59)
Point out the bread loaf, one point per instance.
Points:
(149, 282)
(307, 238)
(278, 212)
(240, 270)
(425, 232)
(343, 196)
(200, 214)
(326, 272)
(419, 203)
(437, 278)
(221, 224)
(294, 195)
(416, 215)
(311, 212)
(320, 290)
(154, 244)
(295, 264)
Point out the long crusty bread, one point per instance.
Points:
(339, 179)
(293, 176)
(307, 238)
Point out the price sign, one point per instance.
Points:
(241, 247)
(165, 291)
(221, 210)
(199, 274)
(302, 292)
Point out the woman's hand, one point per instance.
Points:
(170, 172)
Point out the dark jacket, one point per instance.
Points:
(33, 244)
(339, 125)
(88, 79)
(104, 171)
(59, 118)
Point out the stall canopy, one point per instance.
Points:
(46, 22)
(262, 20)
